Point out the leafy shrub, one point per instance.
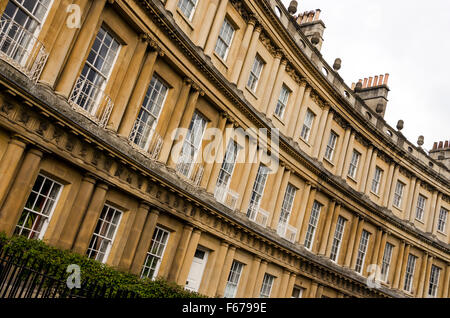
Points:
(39, 253)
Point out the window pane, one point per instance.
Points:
(96, 71)
(191, 144)
(38, 208)
(104, 234)
(409, 272)
(363, 243)
(187, 7)
(338, 234)
(286, 209)
(155, 254)
(329, 152)
(312, 226)
(266, 287)
(224, 40)
(257, 192)
(233, 279)
(149, 113)
(255, 73)
(307, 125)
(282, 102)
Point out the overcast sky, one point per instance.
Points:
(410, 40)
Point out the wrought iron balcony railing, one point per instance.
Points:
(21, 48)
(191, 171)
(291, 233)
(287, 232)
(91, 101)
(154, 148)
(258, 215)
(226, 196)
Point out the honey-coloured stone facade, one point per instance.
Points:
(366, 197)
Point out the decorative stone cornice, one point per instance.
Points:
(269, 45)
(340, 120)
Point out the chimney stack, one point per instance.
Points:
(312, 26)
(374, 91)
(441, 152)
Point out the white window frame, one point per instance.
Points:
(160, 240)
(377, 180)
(337, 240)
(353, 168)
(49, 204)
(386, 262)
(255, 73)
(87, 94)
(33, 34)
(228, 164)
(283, 101)
(152, 108)
(433, 285)
(109, 241)
(420, 208)
(331, 146)
(286, 209)
(182, 9)
(307, 125)
(398, 194)
(301, 291)
(409, 272)
(312, 225)
(227, 45)
(258, 191)
(195, 144)
(362, 251)
(266, 286)
(233, 280)
(442, 219)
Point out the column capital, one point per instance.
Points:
(279, 54)
(37, 152)
(197, 230)
(252, 20)
(144, 205)
(103, 185)
(223, 115)
(224, 243)
(155, 211)
(153, 46)
(264, 262)
(187, 81)
(145, 37)
(198, 89)
(18, 141)
(301, 81)
(88, 177)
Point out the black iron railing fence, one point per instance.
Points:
(27, 277)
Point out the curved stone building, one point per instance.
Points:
(337, 204)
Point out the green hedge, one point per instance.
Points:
(93, 271)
